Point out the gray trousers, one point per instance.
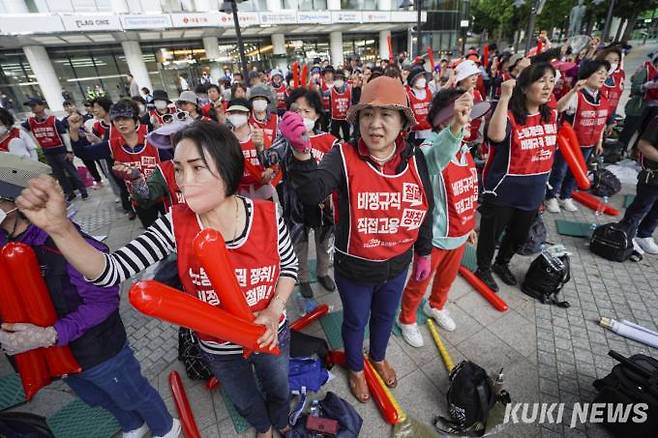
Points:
(322, 251)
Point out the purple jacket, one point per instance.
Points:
(96, 303)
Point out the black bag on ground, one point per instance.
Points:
(536, 237)
(605, 183)
(634, 380)
(612, 241)
(23, 425)
(546, 277)
(334, 407)
(189, 353)
(613, 151)
(303, 345)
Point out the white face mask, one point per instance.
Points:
(3, 130)
(160, 104)
(260, 105)
(309, 124)
(4, 214)
(237, 120)
(420, 83)
(338, 83)
(613, 68)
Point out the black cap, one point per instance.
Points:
(328, 69)
(415, 73)
(34, 100)
(161, 95)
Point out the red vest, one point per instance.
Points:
(321, 144)
(460, 183)
(612, 89)
(12, 134)
(420, 108)
(256, 262)
(169, 174)
(652, 75)
(280, 92)
(251, 155)
(325, 92)
(386, 211)
(533, 145)
(340, 103)
(475, 124)
(589, 121)
(100, 129)
(46, 132)
(146, 160)
(269, 127)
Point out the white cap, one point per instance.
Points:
(465, 69)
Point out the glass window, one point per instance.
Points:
(370, 5)
(17, 82)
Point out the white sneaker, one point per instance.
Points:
(411, 334)
(636, 247)
(552, 206)
(647, 244)
(136, 433)
(442, 317)
(173, 433)
(568, 205)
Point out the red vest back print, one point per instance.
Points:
(46, 132)
(533, 145)
(652, 75)
(256, 262)
(420, 108)
(460, 183)
(169, 174)
(386, 211)
(12, 134)
(590, 119)
(321, 144)
(612, 89)
(340, 103)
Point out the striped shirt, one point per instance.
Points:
(158, 241)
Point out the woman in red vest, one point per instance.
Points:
(384, 196)
(209, 166)
(340, 101)
(523, 135)
(466, 77)
(420, 97)
(613, 87)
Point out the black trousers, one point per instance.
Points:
(148, 215)
(93, 170)
(340, 125)
(65, 172)
(494, 220)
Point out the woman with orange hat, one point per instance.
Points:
(384, 195)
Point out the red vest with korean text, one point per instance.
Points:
(169, 174)
(12, 134)
(532, 145)
(280, 92)
(340, 103)
(460, 183)
(612, 89)
(46, 132)
(146, 160)
(321, 144)
(589, 121)
(325, 92)
(386, 211)
(652, 75)
(269, 126)
(251, 155)
(420, 108)
(475, 124)
(256, 261)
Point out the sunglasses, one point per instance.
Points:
(178, 116)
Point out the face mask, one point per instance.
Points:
(309, 124)
(613, 68)
(237, 120)
(420, 83)
(260, 105)
(4, 214)
(202, 197)
(142, 108)
(338, 83)
(160, 104)
(3, 130)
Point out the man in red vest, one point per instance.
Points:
(340, 101)
(50, 133)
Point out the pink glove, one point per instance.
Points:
(293, 129)
(422, 267)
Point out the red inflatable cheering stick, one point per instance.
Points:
(567, 130)
(311, 316)
(210, 249)
(570, 155)
(190, 429)
(484, 290)
(31, 365)
(23, 265)
(168, 304)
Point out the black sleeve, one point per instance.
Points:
(356, 95)
(650, 134)
(96, 151)
(314, 182)
(26, 126)
(423, 245)
(62, 127)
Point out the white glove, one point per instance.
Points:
(21, 337)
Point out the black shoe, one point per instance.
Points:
(306, 290)
(487, 279)
(504, 273)
(132, 215)
(327, 282)
(70, 197)
(85, 196)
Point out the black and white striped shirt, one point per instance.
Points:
(158, 241)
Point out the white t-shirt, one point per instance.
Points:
(23, 146)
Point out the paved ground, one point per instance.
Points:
(548, 354)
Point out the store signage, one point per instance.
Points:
(283, 17)
(206, 19)
(313, 17)
(90, 23)
(407, 16)
(245, 19)
(376, 16)
(145, 21)
(346, 16)
(12, 24)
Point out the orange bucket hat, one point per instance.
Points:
(383, 92)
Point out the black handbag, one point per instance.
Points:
(546, 277)
(612, 241)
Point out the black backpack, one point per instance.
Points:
(546, 277)
(633, 380)
(23, 425)
(612, 241)
(189, 353)
(605, 183)
(536, 238)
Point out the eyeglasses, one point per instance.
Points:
(178, 116)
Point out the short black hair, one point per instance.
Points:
(216, 87)
(221, 145)
(7, 118)
(527, 77)
(589, 67)
(440, 100)
(200, 89)
(139, 99)
(145, 90)
(104, 102)
(312, 97)
(610, 49)
(236, 86)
